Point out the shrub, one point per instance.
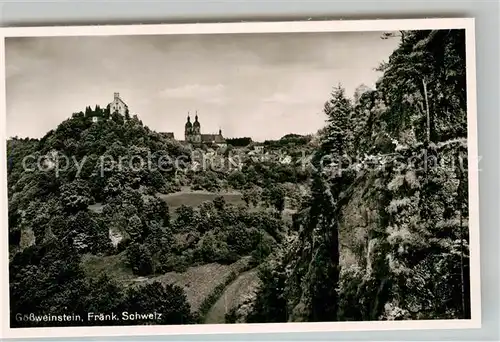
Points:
(169, 300)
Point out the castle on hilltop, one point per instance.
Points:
(118, 105)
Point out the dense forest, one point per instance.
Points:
(374, 226)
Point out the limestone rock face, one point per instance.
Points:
(353, 218)
(27, 238)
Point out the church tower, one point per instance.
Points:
(188, 129)
(196, 125)
(196, 129)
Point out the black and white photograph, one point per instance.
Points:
(168, 181)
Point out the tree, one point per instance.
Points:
(104, 296)
(251, 196)
(425, 84)
(155, 209)
(88, 111)
(139, 259)
(112, 188)
(358, 93)
(338, 110)
(206, 180)
(45, 278)
(263, 249)
(236, 179)
(219, 203)
(214, 248)
(210, 217)
(271, 303)
(135, 228)
(275, 197)
(239, 142)
(86, 232)
(185, 218)
(76, 196)
(168, 300)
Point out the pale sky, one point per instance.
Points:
(257, 85)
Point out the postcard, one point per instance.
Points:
(239, 178)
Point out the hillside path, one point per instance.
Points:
(232, 295)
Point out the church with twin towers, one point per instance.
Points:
(193, 135)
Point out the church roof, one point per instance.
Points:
(212, 138)
(207, 137)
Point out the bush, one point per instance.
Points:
(213, 248)
(169, 300)
(175, 263)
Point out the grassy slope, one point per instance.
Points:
(196, 198)
(233, 295)
(197, 281)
